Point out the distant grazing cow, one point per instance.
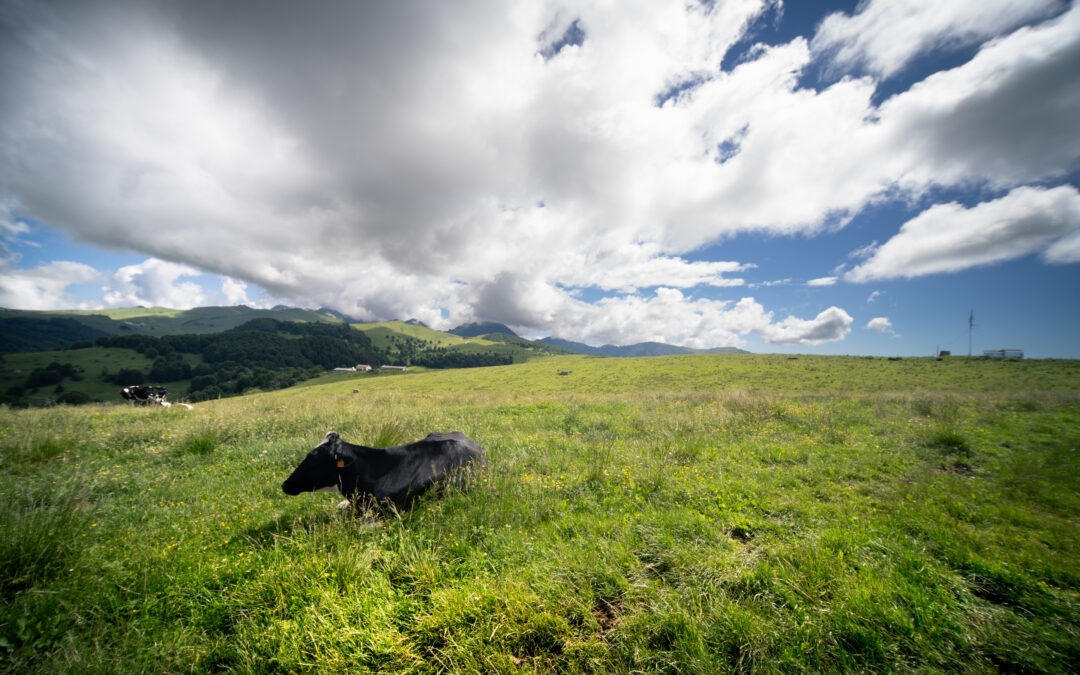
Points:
(144, 395)
(400, 473)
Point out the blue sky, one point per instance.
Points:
(837, 178)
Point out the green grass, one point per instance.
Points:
(122, 313)
(90, 361)
(689, 514)
(380, 333)
(764, 373)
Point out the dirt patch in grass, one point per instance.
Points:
(960, 468)
(606, 614)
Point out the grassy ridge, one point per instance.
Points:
(692, 514)
(384, 334)
(380, 333)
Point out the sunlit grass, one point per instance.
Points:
(645, 518)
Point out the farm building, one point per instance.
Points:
(1004, 353)
(402, 368)
(358, 368)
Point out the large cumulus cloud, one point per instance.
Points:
(455, 161)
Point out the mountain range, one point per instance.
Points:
(31, 331)
(638, 349)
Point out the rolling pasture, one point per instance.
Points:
(673, 514)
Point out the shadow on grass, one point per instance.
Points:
(265, 535)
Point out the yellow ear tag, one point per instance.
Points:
(341, 464)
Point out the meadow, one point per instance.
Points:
(90, 363)
(696, 514)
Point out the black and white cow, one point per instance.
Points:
(400, 473)
(144, 395)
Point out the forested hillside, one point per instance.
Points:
(33, 334)
(33, 331)
(263, 354)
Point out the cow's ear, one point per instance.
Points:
(343, 457)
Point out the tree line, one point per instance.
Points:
(263, 354)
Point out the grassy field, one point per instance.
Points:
(764, 373)
(90, 363)
(684, 514)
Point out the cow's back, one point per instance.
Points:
(418, 465)
(458, 446)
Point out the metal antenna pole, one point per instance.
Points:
(971, 326)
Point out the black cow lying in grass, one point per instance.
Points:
(399, 474)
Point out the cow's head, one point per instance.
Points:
(322, 468)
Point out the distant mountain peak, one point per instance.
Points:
(639, 349)
(481, 328)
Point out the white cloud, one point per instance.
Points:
(882, 325)
(632, 274)
(44, 287)
(1005, 118)
(669, 316)
(10, 228)
(154, 283)
(950, 237)
(769, 284)
(829, 326)
(234, 292)
(11, 232)
(408, 159)
(822, 281)
(873, 296)
(884, 35)
(1064, 250)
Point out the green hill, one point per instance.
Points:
(407, 342)
(482, 328)
(262, 354)
(385, 333)
(25, 330)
